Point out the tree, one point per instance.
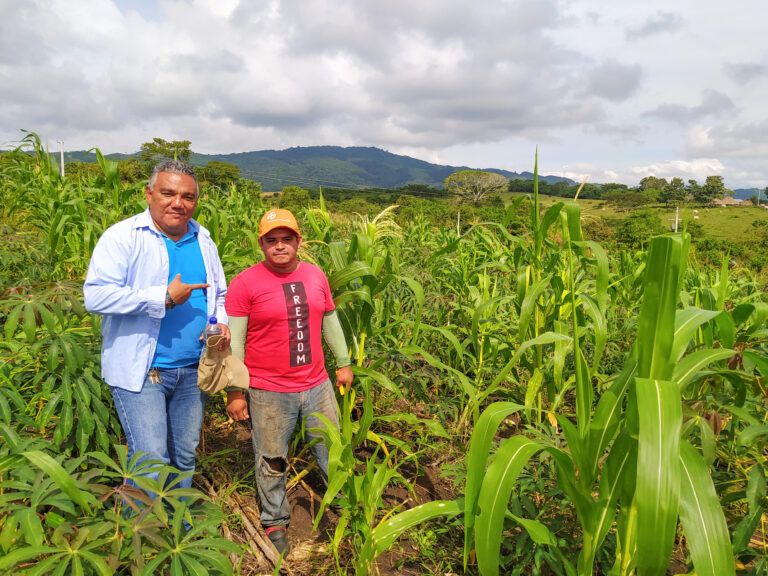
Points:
(293, 198)
(628, 199)
(638, 228)
(158, 149)
(712, 189)
(219, 174)
(674, 193)
(652, 183)
(473, 185)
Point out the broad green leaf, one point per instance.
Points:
(687, 368)
(29, 324)
(499, 480)
(601, 273)
(756, 490)
(584, 392)
(379, 377)
(529, 305)
(532, 392)
(701, 515)
(352, 271)
(62, 478)
(385, 534)
(687, 322)
(599, 328)
(759, 361)
(477, 458)
(538, 532)
(97, 562)
(606, 417)
(658, 472)
(31, 526)
(656, 322)
(622, 457)
(750, 434)
(21, 555)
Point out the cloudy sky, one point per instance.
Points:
(609, 91)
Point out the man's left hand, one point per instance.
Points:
(344, 377)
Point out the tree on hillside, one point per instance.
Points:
(473, 185)
(712, 189)
(153, 152)
(219, 174)
(674, 193)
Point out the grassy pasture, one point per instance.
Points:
(730, 223)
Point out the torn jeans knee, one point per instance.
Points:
(273, 465)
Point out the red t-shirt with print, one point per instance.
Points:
(283, 344)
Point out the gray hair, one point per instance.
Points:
(174, 167)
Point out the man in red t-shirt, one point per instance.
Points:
(277, 311)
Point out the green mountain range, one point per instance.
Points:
(330, 167)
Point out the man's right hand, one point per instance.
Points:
(237, 405)
(180, 292)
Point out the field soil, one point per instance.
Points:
(227, 446)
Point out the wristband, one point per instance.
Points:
(169, 303)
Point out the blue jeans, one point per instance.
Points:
(164, 418)
(273, 417)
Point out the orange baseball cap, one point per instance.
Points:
(277, 218)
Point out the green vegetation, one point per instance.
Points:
(580, 396)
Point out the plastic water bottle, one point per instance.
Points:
(213, 328)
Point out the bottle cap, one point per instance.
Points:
(212, 320)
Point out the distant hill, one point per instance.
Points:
(747, 193)
(331, 167)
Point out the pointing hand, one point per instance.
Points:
(180, 292)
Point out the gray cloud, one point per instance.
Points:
(613, 80)
(734, 139)
(745, 72)
(659, 23)
(450, 76)
(713, 103)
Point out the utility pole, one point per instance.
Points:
(61, 157)
(677, 216)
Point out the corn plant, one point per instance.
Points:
(356, 489)
(651, 472)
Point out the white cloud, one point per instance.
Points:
(698, 168)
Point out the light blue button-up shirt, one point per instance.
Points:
(126, 283)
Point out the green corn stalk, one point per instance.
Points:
(652, 479)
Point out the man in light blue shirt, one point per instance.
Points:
(156, 278)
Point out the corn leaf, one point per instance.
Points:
(687, 322)
(656, 323)
(703, 521)
(385, 534)
(508, 462)
(688, 368)
(658, 472)
(477, 457)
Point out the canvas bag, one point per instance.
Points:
(219, 369)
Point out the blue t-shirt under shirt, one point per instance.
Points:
(179, 341)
